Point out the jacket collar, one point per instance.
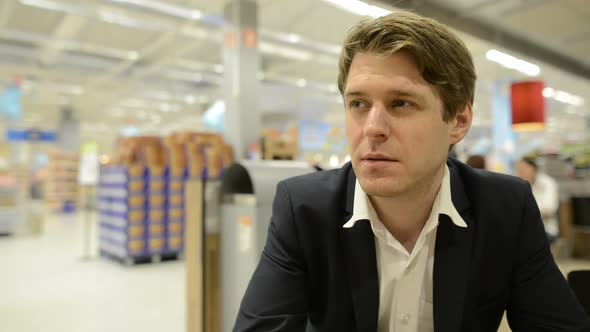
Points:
(362, 208)
(451, 263)
(458, 195)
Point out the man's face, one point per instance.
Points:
(526, 172)
(394, 124)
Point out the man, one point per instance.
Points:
(546, 194)
(403, 239)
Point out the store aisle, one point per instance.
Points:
(44, 286)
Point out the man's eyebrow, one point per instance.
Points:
(397, 92)
(354, 94)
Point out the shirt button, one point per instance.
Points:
(406, 318)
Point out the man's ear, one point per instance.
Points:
(461, 123)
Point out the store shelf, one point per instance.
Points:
(9, 212)
(61, 189)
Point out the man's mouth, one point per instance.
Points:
(378, 157)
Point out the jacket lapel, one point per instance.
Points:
(451, 261)
(360, 259)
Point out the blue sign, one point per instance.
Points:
(30, 135)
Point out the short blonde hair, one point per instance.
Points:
(442, 58)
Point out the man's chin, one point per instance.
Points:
(380, 187)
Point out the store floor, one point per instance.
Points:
(45, 286)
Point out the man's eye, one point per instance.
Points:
(357, 104)
(401, 103)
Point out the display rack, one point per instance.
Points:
(61, 184)
(133, 214)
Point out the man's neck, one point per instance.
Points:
(405, 215)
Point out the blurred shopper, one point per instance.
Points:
(403, 238)
(476, 161)
(546, 194)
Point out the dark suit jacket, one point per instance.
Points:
(315, 275)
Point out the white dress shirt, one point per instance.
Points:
(546, 194)
(405, 279)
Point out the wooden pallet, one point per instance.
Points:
(142, 259)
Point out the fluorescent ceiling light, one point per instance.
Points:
(164, 8)
(293, 38)
(548, 92)
(50, 5)
(513, 62)
(562, 96)
(359, 8)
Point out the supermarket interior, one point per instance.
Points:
(141, 141)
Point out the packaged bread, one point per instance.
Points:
(175, 200)
(174, 242)
(136, 246)
(156, 244)
(156, 215)
(136, 231)
(175, 227)
(156, 229)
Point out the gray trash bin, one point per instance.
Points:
(248, 190)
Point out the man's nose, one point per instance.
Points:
(377, 122)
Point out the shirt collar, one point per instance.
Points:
(362, 205)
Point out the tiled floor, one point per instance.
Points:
(45, 286)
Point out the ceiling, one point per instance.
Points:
(155, 65)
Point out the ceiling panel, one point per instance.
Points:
(112, 81)
(32, 19)
(308, 18)
(116, 36)
(582, 7)
(534, 21)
